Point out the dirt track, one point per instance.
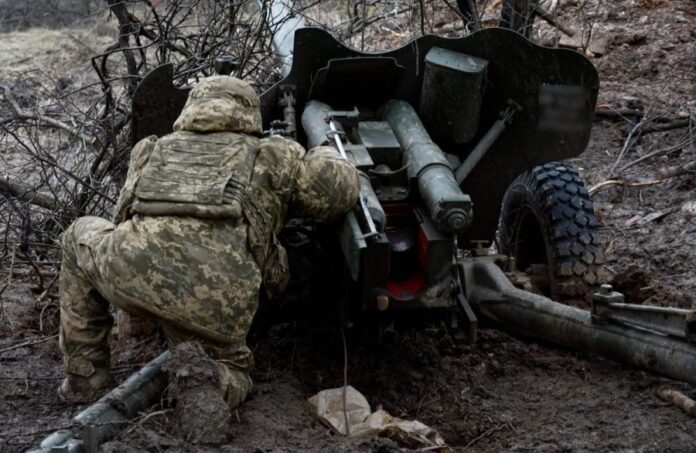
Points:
(504, 393)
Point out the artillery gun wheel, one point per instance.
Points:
(548, 222)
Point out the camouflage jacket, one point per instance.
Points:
(214, 180)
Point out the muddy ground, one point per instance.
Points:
(505, 393)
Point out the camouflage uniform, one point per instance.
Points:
(194, 234)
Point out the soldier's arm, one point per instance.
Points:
(139, 157)
(326, 186)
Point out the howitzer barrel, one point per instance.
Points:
(446, 203)
(315, 123)
(496, 298)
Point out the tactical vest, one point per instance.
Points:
(206, 176)
(196, 175)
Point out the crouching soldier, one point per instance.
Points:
(194, 237)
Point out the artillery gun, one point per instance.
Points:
(460, 146)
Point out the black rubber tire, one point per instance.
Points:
(548, 218)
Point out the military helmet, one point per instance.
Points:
(221, 104)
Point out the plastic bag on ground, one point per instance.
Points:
(329, 408)
(362, 422)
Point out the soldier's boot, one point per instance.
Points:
(236, 385)
(85, 320)
(77, 389)
(201, 414)
(229, 363)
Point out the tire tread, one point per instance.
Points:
(566, 214)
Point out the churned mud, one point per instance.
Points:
(505, 393)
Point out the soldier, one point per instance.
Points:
(193, 237)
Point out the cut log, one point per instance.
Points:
(678, 399)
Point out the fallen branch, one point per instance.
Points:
(662, 175)
(631, 139)
(635, 132)
(678, 399)
(552, 21)
(609, 113)
(614, 182)
(669, 149)
(28, 343)
(27, 193)
(618, 114)
(661, 127)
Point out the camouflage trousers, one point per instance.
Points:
(87, 287)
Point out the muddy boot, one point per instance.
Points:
(77, 389)
(201, 414)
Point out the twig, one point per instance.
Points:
(422, 17)
(125, 29)
(373, 19)
(9, 277)
(35, 267)
(50, 286)
(635, 132)
(41, 315)
(54, 165)
(485, 434)
(669, 149)
(145, 418)
(614, 182)
(28, 343)
(364, 18)
(22, 114)
(628, 144)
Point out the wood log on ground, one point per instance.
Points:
(27, 193)
(676, 124)
(678, 399)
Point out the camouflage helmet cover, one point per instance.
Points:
(221, 104)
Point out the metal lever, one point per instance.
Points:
(336, 135)
(608, 305)
(505, 118)
(462, 305)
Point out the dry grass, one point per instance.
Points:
(63, 53)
